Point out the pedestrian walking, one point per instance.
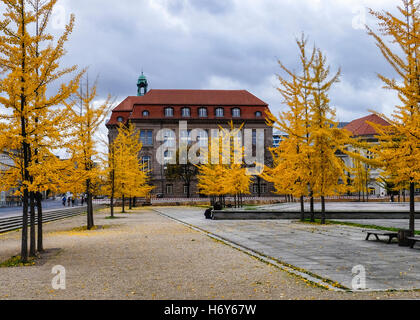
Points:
(68, 201)
(64, 201)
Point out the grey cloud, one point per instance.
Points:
(214, 6)
(236, 40)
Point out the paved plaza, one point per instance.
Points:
(329, 251)
(342, 206)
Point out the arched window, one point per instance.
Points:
(202, 112)
(220, 112)
(120, 119)
(169, 112)
(146, 113)
(236, 113)
(258, 114)
(186, 112)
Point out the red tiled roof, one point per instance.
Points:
(193, 97)
(360, 127)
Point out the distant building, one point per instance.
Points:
(6, 195)
(360, 128)
(151, 111)
(278, 137)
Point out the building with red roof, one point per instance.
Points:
(154, 110)
(362, 128)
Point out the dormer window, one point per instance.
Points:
(120, 119)
(236, 113)
(169, 112)
(220, 112)
(202, 112)
(146, 113)
(258, 114)
(186, 112)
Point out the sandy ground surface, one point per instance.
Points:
(146, 256)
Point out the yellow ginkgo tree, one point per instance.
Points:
(329, 171)
(86, 116)
(30, 64)
(398, 150)
(225, 173)
(127, 177)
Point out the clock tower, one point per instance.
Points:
(142, 85)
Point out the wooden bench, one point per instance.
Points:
(413, 241)
(377, 233)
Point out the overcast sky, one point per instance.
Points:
(227, 44)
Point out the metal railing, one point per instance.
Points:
(15, 223)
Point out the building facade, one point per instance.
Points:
(153, 112)
(361, 129)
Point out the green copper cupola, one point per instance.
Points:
(142, 85)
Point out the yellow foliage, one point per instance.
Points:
(126, 175)
(398, 150)
(228, 176)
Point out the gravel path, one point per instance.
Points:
(146, 256)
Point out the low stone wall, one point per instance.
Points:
(277, 215)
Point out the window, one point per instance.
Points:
(262, 187)
(120, 119)
(255, 188)
(169, 189)
(146, 137)
(186, 136)
(186, 112)
(169, 138)
(186, 189)
(236, 113)
(254, 137)
(220, 112)
(169, 112)
(258, 114)
(146, 161)
(146, 113)
(168, 156)
(203, 139)
(202, 112)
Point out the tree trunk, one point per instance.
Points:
(40, 244)
(90, 222)
(24, 245)
(130, 203)
(322, 210)
(312, 208)
(367, 193)
(112, 206)
(302, 208)
(123, 204)
(32, 237)
(412, 207)
(134, 201)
